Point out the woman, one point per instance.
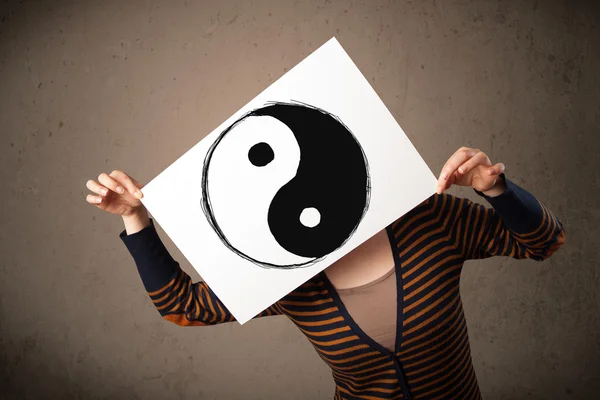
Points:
(387, 318)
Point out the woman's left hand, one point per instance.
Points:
(471, 167)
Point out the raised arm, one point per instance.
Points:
(518, 225)
(176, 298)
(172, 291)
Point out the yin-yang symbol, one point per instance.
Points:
(285, 185)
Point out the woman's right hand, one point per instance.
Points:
(116, 193)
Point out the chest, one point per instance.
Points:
(365, 264)
(424, 293)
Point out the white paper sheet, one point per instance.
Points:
(216, 202)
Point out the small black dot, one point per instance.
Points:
(261, 154)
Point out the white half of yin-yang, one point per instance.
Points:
(240, 192)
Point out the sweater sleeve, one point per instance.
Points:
(176, 298)
(518, 225)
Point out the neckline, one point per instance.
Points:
(368, 284)
(399, 306)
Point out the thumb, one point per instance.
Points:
(496, 169)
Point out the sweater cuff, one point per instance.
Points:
(154, 262)
(520, 210)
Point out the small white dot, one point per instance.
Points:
(310, 217)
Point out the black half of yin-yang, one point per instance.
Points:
(332, 178)
(326, 179)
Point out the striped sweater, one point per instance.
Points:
(431, 243)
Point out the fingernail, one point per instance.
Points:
(104, 191)
(120, 189)
(443, 175)
(461, 169)
(138, 194)
(98, 199)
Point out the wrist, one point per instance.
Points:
(140, 212)
(136, 221)
(498, 188)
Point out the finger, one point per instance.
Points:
(96, 187)
(139, 185)
(110, 183)
(90, 198)
(456, 160)
(478, 159)
(445, 185)
(497, 169)
(127, 182)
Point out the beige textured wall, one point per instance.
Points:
(90, 86)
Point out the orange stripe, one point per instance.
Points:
(341, 389)
(343, 351)
(468, 377)
(279, 308)
(426, 248)
(176, 286)
(440, 263)
(222, 312)
(421, 358)
(436, 290)
(311, 283)
(513, 250)
(375, 389)
(473, 392)
(424, 213)
(326, 333)
(430, 211)
(466, 250)
(364, 378)
(507, 240)
(210, 300)
(560, 240)
(307, 304)
(187, 290)
(167, 294)
(417, 338)
(334, 342)
(189, 301)
(200, 302)
(431, 281)
(317, 323)
(163, 288)
(176, 297)
(456, 316)
(461, 363)
(464, 363)
(546, 216)
(360, 387)
(309, 294)
(447, 248)
(431, 232)
(489, 246)
(551, 226)
(350, 374)
(181, 320)
(312, 313)
(458, 348)
(433, 317)
(479, 237)
(356, 358)
(477, 222)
